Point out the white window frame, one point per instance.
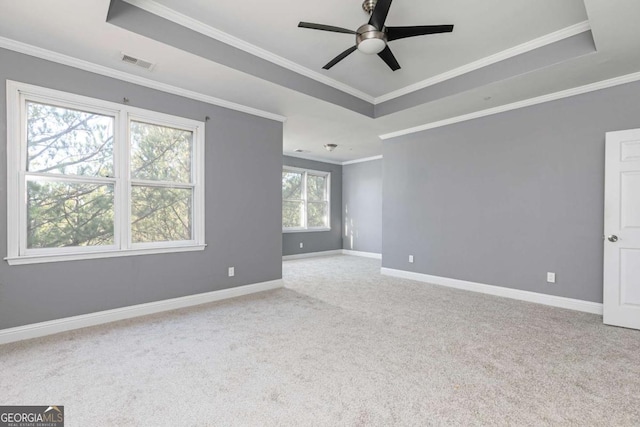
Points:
(17, 253)
(305, 173)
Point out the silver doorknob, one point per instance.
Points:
(613, 238)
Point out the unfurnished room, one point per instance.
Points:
(344, 213)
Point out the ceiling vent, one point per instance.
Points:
(137, 61)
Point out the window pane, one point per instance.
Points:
(160, 214)
(291, 185)
(317, 214)
(292, 214)
(71, 142)
(160, 153)
(61, 214)
(316, 187)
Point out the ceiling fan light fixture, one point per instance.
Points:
(369, 40)
(372, 46)
(372, 37)
(330, 147)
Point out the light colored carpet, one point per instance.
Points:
(341, 345)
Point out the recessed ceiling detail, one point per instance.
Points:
(229, 55)
(560, 46)
(482, 29)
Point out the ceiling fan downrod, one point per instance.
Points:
(369, 5)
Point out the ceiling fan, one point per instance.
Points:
(372, 38)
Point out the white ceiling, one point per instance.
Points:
(77, 28)
(482, 28)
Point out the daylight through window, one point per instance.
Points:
(305, 200)
(93, 177)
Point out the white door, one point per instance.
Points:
(622, 229)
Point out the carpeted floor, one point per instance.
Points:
(341, 345)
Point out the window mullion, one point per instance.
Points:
(22, 180)
(123, 208)
(305, 223)
(163, 184)
(82, 179)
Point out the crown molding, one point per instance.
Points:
(333, 162)
(164, 12)
(60, 58)
(312, 158)
(364, 159)
(489, 60)
(603, 84)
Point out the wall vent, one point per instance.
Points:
(137, 61)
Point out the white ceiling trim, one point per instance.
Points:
(489, 60)
(158, 9)
(202, 28)
(60, 58)
(364, 159)
(604, 84)
(313, 158)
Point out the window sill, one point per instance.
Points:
(305, 230)
(38, 259)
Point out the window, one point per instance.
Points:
(90, 178)
(305, 200)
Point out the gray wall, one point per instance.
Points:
(243, 211)
(362, 206)
(503, 199)
(317, 241)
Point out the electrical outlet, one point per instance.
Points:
(551, 277)
(301, 245)
(232, 271)
(411, 258)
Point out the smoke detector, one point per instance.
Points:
(330, 147)
(129, 59)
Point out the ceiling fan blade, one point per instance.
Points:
(380, 13)
(340, 57)
(390, 60)
(395, 33)
(325, 28)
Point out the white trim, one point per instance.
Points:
(209, 31)
(155, 8)
(17, 251)
(38, 259)
(362, 254)
(327, 194)
(312, 158)
(15, 157)
(50, 327)
(312, 255)
(604, 84)
(538, 298)
(333, 162)
(365, 159)
(332, 253)
(489, 60)
(304, 230)
(60, 58)
(163, 11)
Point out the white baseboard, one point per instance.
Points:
(82, 321)
(552, 300)
(331, 253)
(362, 254)
(312, 255)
